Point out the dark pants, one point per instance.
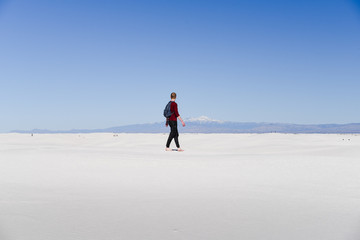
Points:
(174, 134)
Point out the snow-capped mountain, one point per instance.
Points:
(203, 119)
(205, 124)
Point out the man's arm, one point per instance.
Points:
(182, 122)
(178, 115)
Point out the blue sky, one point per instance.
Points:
(94, 64)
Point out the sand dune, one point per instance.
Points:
(224, 186)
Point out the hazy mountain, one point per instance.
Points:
(206, 125)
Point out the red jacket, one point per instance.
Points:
(174, 110)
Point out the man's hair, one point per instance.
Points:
(173, 95)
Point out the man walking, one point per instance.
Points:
(172, 121)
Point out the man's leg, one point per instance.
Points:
(176, 136)
(171, 135)
(169, 140)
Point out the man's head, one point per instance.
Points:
(173, 95)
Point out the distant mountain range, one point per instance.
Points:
(206, 125)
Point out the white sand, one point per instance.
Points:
(224, 186)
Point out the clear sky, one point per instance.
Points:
(68, 64)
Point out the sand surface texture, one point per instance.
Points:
(223, 187)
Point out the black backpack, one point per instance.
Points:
(167, 111)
